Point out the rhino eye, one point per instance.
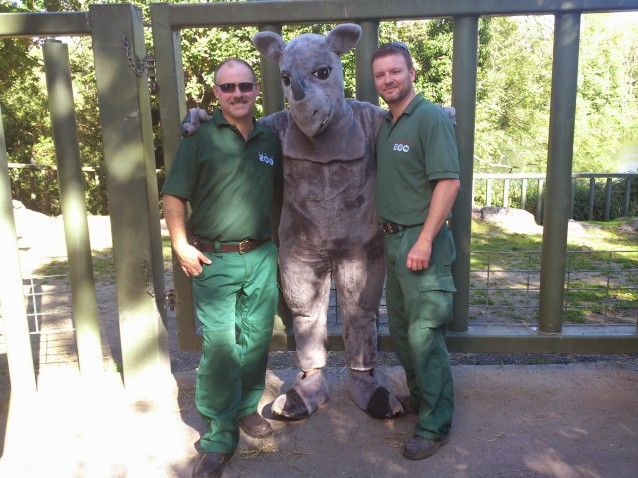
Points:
(322, 73)
(285, 77)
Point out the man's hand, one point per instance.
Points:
(190, 258)
(443, 197)
(192, 120)
(419, 256)
(451, 112)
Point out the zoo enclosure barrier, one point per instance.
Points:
(497, 187)
(42, 182)
(168, 20)
(628, 181)
(117, 32)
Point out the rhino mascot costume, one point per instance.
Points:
(328, 223)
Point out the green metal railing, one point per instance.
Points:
(125, 117)
(498, 190)
(117, 34)
(169, 19)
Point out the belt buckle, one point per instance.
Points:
(242, 244)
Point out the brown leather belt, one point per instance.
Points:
(391, 228)
(242, 247)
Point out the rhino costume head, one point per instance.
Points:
(311, 74)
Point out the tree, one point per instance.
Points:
(607, 102)
(513, 96)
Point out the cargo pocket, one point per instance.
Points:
(439, 275)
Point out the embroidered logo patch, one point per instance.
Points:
(264, 158)
(401, 147)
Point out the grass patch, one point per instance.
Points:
(56, 267)
(574, 316)
(601, 269)
(617, 235)
(167, 251)
(489, 237)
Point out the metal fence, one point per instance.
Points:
(601, 287)
(117, 35)
(505, 190)
(514, 190)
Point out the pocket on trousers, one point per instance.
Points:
(439, 275)
(438, 279)
(207, 268)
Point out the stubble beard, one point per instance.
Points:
(396, 97)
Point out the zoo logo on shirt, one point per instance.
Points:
(401, 147)
(264, 158)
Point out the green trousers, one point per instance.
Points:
(419, 307)
(236, 299)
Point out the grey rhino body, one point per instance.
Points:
(328, 221)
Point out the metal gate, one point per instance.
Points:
(117, 32)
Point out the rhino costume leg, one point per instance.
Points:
(359, 278)
(306, 287)
(369, 396)
(303, 398)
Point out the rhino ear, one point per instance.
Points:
(270, 45)
(343, 37)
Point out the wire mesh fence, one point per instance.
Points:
(601, 287)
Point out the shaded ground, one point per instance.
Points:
(559, 421)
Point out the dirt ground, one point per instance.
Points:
(550, 421)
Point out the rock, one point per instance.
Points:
(509, 218)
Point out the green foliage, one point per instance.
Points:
(514, 92)
(607, 102)
(512, 115)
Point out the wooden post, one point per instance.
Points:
(76, 228)
(125, 116)
(14, 314)
(559, 171)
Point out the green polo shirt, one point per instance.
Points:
(228, 181)
(419, 148)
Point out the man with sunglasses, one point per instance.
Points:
(417, 183)
(228, 173)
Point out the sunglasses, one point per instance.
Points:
(230, 87)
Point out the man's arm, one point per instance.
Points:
(188, 256)
(443, 197)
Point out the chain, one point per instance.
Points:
(169, 294)
(149, 287)
(138, 69)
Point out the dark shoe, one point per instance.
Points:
(418, 448)
(404, 400)
(255, 425)
(211, 465)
